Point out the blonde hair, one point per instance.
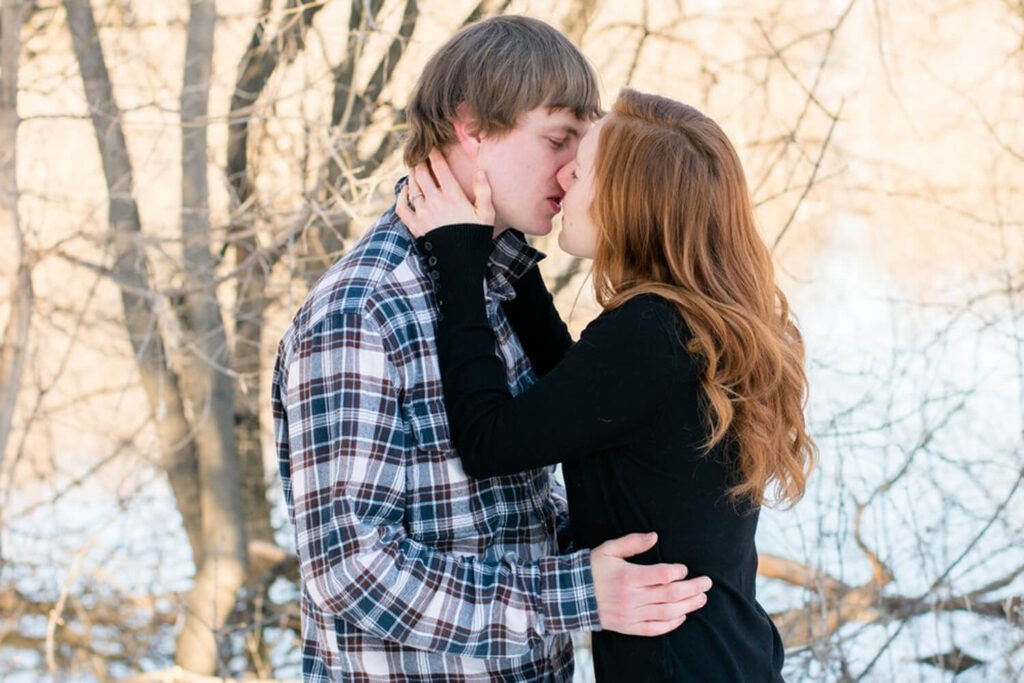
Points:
(500, 68)
(674, 218)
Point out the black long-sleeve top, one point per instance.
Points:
(621, 410)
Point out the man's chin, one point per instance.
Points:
(539, 230)
(538, 227)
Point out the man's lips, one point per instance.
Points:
(555, 202)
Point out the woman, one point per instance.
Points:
(679, 410)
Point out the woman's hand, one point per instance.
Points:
(424, 206)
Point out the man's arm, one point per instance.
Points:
(563, 530)
(347, 443)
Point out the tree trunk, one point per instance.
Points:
(139, 302)
(222, 570)
(257, 65)
(15, 337)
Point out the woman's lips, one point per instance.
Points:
(555, 203)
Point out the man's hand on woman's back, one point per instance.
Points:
(642, 600)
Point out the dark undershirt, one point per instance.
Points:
(621, 410)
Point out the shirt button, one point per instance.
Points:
(432, 261)
(434, 275)
(437, 286)
(440, 315)
(428, 246)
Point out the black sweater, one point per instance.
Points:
(621, 410)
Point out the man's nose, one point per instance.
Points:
(569, 153)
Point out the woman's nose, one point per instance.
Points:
(564, 176)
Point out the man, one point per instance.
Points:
(410, 569)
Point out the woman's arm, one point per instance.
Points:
(602, 395)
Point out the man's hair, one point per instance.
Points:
(499, 68)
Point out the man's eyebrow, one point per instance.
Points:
(564, 128)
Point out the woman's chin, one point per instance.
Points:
(566, 245)
(562, 241)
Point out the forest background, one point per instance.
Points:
(175, 175)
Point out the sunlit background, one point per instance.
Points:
(884, 148)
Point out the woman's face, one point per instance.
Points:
(579, 234)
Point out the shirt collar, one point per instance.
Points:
(510, 258)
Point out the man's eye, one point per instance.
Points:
(557, 143)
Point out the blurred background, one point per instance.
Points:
(175, 175)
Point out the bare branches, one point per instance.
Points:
(487, 8)
(798, 574)
(1011, 609)
(811, 180)
(259, 62)
(353, 105)
(836, 604)
(645, 33)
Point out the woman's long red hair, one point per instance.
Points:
(674, 218)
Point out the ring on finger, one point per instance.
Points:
(412, 198)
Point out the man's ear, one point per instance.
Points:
(467, 130)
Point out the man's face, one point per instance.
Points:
(522, 167)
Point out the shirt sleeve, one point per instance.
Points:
(347, 453)
(563, 530)
(600, 396)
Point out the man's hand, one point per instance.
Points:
(642, 600)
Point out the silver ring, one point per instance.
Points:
(412, 198)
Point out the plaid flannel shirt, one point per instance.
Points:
(410, 569)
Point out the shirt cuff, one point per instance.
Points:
(568, 602)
